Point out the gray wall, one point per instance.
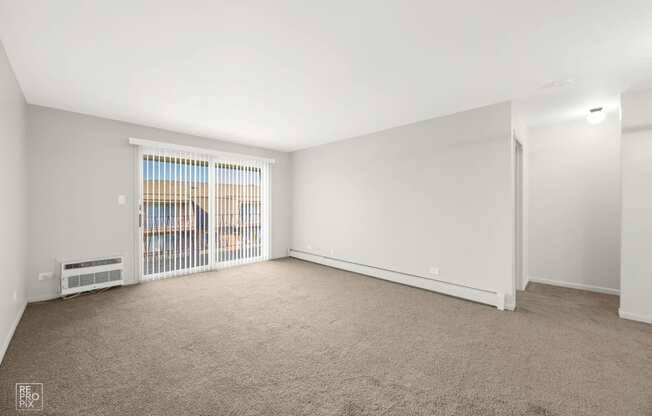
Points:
(12, 205)
(433, 193)
(636, 271)
(78, 165)
(574, 203)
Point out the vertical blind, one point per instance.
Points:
(200, 212)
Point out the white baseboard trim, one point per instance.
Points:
(510, 306)
(451, 289)
(580, 286)
(42, 298)
(52, 296)
(10, 335)
(634, 316)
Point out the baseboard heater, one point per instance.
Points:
(459, 291)
(90, 274)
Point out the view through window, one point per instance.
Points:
(179, 210)
(238, 211)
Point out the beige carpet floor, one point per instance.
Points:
(288, 337)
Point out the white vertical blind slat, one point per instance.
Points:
(238, 202)
(220, 214)
(175, 217)
(218, 208)
(188, 185)
(184, 197)
(267, 202)
(197, 214)
(166, 213)
(150, 237)
(246, 211)
(202, 221)
(259, 207)
(193, 207)
(190, 210)
(158, 214)
(231, 218)
(193, 197)
(222, 220)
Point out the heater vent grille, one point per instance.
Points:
(83, 275)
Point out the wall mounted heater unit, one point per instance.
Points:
(82, 275)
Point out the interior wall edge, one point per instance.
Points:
(12, 330)
(13, 241)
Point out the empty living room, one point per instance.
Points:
(346, 208)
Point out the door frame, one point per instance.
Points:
(519, 216)
(139, 216)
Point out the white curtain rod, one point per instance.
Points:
(171, 146)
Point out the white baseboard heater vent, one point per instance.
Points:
(464, 292)
(83, 275)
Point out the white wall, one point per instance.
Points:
(78, 165)
(12, 204)
(636, 271)
(574, 203)
(433, 193)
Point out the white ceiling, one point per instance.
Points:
(289, 74)
(567, 103)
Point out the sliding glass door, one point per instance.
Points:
(239, 190)
(198, 213)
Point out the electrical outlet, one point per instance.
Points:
(122, 199)
(15, 296)
(332, 252)
(45, 276)
(434, 270)
(309, 246)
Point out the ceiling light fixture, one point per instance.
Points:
(596, 116)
